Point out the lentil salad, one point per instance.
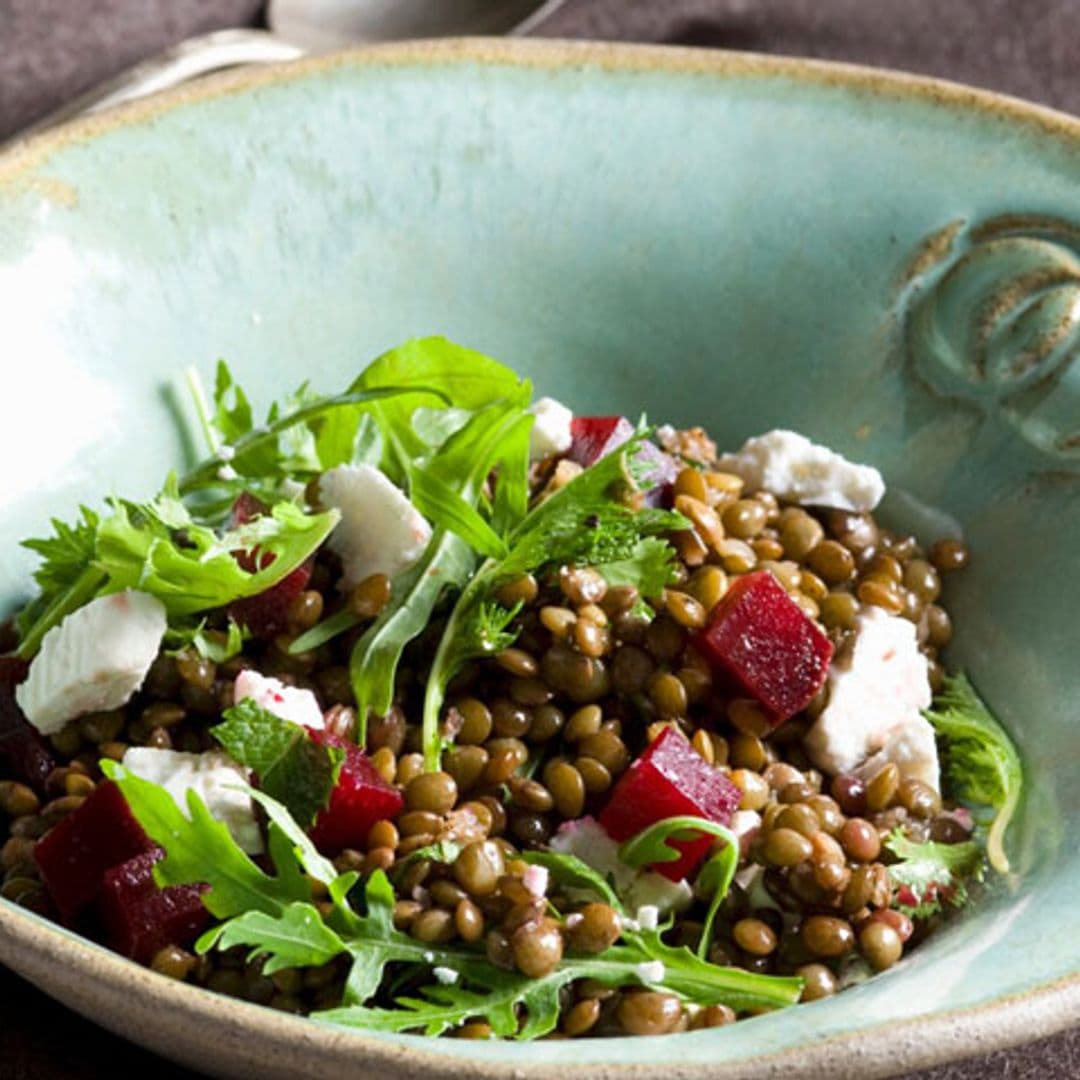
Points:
(440, 719)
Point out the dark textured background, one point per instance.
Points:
(51, 50)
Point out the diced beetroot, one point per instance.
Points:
(267, 614)
(670, 779)
(361, 798)
(765, 642)
(74, 856)
(139, 918)
(246, 507)
(21, 745)
(595, 437)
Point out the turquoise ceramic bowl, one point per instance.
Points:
(888, 264)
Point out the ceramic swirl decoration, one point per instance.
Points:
(887, 264)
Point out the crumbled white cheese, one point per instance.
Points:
(589, 841)
(226, 452)
(875, 697)
(648, 917)
(213, 776)
(94, 660)
(551, 430)
(227, 473)
(651, 971)
(745, 824)
(795, 469)
(285, 702)
(535, 880)
(380, 531)
(446, 976)
(912, 748)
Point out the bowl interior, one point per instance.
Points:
(736, 243)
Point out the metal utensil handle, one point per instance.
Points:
(192, 58)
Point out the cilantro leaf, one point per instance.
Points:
(649, 566)
(932, 875)
(981, 762)
(292, 768)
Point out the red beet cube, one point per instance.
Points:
(360, 798)
(139, 918)
(267, 614)
(670, 779)
(763, 641)
(21, 745)
(74, 856)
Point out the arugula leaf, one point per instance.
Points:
(292, 768)
(933, 874)
(653, 845)
(274, 918)
(981, 762)
(504, 994)
(463, 463)
(297, 937)
(569, 870)
(200, 849)
(463, 378)
(67, 553)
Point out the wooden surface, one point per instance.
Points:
(51, 50)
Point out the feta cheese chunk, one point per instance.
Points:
(380, 531)
(875, 697)
(94, 660)
(213, 776)
(551, 431)
(797, 470)
(912, 748)
(589, 841)
(285, 702)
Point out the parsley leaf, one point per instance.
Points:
(981, 762)
(932, 875)
(292, 768)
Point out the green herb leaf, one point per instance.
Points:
(935, 874)
(649, 567)
(583, 522)
(463, 464)
(215, 645)
(570, 871)
(981, 762)
(189, 567)
(200, 849)
(292, 768)
(297, 937)
(654, 844)
(464, 379)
